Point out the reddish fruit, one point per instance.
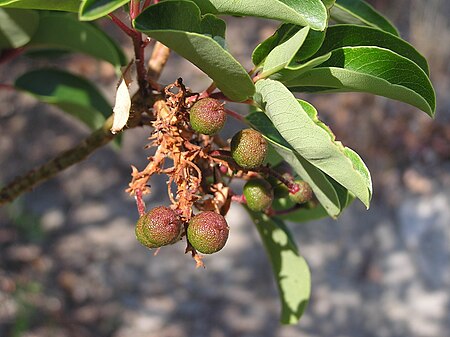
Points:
(207, 232)
(207, 116)
(158, 227)
(303, 194)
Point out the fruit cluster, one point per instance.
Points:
(200, 164)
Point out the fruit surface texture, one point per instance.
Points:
(248, 148)
(304, 193)
(258, 194)
(207, 232)
(158, 227)
(207, 116)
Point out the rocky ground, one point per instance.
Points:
(70, 265)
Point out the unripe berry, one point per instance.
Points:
(304, 193)
(258, 194)
(207, 116)
(248, 149)
(158, 227)
(207, 232)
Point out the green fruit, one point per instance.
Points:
(248, 149)
(207, 232)
(258, 194)
(207, 116)
(304, 193)
(158, 227)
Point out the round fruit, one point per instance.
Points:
(304, 193)
(158, 227)
(207, 116)
(248, 148)
(258, 194)
(207, 232)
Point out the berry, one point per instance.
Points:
(207, 232)
(258, 194)
(248, 148)
(304, 193)
(207, 116)
(158, 227)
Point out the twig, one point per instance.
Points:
(146, 4)
(291, 185)
(127, 30)
(22, 184)
(134, 9)
(139, 47)
(236, 116)
(9, 54)
(7, 87)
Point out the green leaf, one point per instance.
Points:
(282, 34)
(369, 69)
(339, 36)
(358, 11)
(17, 27)
(356, 160)
(329, 3)
(52, 5)
(282, 55)
(303, 13)
(201, 40)
(62, 31)
(310, 140)
(323, 189)
(291, 271)
(95, 9)
(71, 93)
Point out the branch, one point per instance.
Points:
(22, 184)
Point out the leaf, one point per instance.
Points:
(282, 55)
(95, 9)
(291, 271)
(369, 69)
(76, 36)
(356, 160)
(71, 93)
(359, 11)
(311, 141)
(303, 13)
(323, 189)
(17, 27)
(310, 45)
(339, 36)
(52, 5)
(179, 26)
(328, 3)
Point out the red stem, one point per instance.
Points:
(7, 87)
(127, 30)
(9, 54)
(139, 202)
(239, 198)
(236, 115)
(146, 4)
(292, 186)
(134, 9)
(139, 47)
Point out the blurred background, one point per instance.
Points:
(70, 264)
